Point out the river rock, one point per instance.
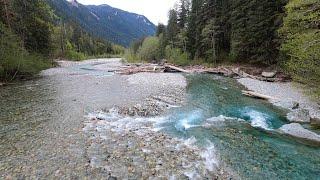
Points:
(299, 115)
(269, 74)
(296, 130)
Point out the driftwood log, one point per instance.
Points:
(223, 71)
(257, 95)
(128, 70)
(170, 68)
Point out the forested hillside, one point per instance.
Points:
(104, 21)
(266, 32)
(31, 34)
(301, 41)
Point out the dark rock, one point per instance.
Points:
(295, 105)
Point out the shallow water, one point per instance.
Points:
(242, 129)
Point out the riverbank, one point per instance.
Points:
(285, 95)
(301, 108)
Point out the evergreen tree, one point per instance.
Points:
(172, 28)
(215, 34)
(254, 31)
(183, 13)
(33, 23)
(194, 29)
(161, 28)
(163, 41)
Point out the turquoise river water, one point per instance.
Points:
(243, 130)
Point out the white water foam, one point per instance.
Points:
(258, 119)
(220, 118)
(186, 123)
(219, 121)
(208, 154)
(100, 122)
(210, 157)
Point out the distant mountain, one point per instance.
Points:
(104, 21)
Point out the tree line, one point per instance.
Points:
(264, 32)
(32, 34)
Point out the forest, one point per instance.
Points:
(280, 33)
(225, 89)
(32, 35)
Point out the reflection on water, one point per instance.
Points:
(243, 130)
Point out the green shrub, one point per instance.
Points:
(131, 57)
(119, 50)
(150, 49)
(15, 61)
(104, 56)
(75, 56)
(176, 56)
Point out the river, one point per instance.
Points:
(42, 124)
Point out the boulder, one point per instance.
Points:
(269, 74)
(299, 115)
(297, 131)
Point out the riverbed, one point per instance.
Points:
(67, 124)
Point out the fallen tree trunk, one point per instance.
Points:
(257, 95)
(133, 69)
(169, 68)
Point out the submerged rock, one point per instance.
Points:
(296, 130)
(299, 115)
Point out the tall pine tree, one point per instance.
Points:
(254, 30)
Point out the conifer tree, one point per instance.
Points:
(254, 30)
(172, 28)
(183, 12)
(194, 28)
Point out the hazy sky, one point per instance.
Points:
(155, 10)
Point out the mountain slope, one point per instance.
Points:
(104, 21)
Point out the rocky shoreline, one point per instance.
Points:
(301, 109)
